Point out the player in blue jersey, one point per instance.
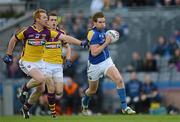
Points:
(100, 63)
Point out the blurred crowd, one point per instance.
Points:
(98, 5)
(167, 49)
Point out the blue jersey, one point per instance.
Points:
(133, 88)
(149, 88)
(97, 37)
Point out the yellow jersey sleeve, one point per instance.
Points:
(90, 35)
(54, 34)
(20, 34)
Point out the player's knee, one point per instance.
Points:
(59, 95)
(40, 90)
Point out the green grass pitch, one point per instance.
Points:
(102, 118)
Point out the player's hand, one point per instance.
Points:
(108, 39)
(84, 43)
(135, 99)
(128, 99)
(143, 97)
(68, 63)
(8, 59)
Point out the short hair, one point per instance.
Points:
(97, 15)
(36, 14)
(52, 14)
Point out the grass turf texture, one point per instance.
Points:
(102, 118)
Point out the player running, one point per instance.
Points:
(34, 38)
(100, 63)
(53, 66)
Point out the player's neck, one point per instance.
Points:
(99, 29)
(38, 26)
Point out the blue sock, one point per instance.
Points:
(86, 100)
(122, 96)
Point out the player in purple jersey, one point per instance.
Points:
(52, 59)
(34, 38)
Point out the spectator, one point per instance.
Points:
(177, 36)
(149, 94)
(173, 46)
(89, 24)
(175, 60)
(177, 2)
(133, 92)
(167, 2)
(70, 101)
(120, 26)
(161, 49)
(136, 63)
(107, 4)
(96, 6)
(150, 64)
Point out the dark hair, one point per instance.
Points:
(52, 14)
(97, 15)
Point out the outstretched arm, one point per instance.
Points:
(11, 45)
(8, 58)
(70, 39)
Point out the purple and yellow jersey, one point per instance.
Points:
(53, 50)
(34, 42)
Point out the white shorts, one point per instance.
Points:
(27, 66)
(54, 70)
(96, 71)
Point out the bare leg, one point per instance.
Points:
(116, 77)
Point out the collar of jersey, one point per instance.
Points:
(98, 30)
(34, 28)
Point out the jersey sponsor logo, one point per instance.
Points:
(31, 36)
(101, 36)
(90, 78)
(102, 41)
(37, 36)
(52, 46)
(43, 36)
(36, 42)
(29, 66)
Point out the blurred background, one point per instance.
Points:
(147, 54)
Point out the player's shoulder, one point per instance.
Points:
(21, 29)
(52, 31)
(62, 31)
(92, 34)
(91, 31)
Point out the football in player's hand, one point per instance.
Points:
(114, 35)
